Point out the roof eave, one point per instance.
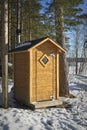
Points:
(63, 50)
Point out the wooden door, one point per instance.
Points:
(45, 76)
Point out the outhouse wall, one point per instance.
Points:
(21, 76)
(37, 53)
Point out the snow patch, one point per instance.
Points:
(23, 44)
(72, 118)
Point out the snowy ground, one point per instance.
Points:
(72, 118)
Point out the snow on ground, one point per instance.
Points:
(71, 118)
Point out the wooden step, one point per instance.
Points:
(45, 104)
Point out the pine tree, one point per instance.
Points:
(5, 52)
(30, 21)
(83, 17)
(59, 22)
(63, 14)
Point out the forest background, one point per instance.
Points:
(38, 18)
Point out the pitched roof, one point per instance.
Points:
(29, 44)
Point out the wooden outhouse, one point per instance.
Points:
(36, 72)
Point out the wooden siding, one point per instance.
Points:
(30, 65)
(21, 76)
(58, 75)
(44, 78)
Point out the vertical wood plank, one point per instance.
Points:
(57, 74)
(30, 91)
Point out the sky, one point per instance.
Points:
(84, 6)
(72, 36)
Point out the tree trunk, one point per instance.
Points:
(76, 47)
(76, 59)
(30, 30)
(59, 21)
(5, 52)
(18, 31)
(9, 25)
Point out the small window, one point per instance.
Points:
(44, 60)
